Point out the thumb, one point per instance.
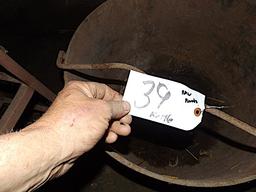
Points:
(119, 108)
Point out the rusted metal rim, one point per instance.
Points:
(168, 178)
(175, 180)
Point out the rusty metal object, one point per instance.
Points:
(234, 121)
(16, 106)
(10, 65)
(207, 45)
(214, 111)
(36, 107)
(6, 77)
(24, 93)
(15, 109)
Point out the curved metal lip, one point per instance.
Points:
(174, 180)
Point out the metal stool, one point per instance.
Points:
(28, 84)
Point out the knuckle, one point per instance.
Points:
(68, 89)
(64, 93)
(117, 95)
(72, 84)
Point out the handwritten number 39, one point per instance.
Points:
(159, 86)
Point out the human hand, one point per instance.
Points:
(84, 111)
(78, 118)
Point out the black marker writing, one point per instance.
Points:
(190, 101)
(186, 93)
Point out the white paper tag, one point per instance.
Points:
(164, 101)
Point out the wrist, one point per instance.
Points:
(66, 130)
(54, 146)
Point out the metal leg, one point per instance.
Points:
(9, 64)
(15, 109)
(29, 84)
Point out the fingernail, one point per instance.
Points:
(126, 106)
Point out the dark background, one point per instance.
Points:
(33, 32)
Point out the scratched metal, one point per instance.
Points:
(207, 45)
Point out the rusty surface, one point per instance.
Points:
(37, 107)
(15, 109)
(213, 110)
(6, 77)
(28, 84)
(207, 45)
(10, 65)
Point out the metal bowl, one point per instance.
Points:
(207, 45)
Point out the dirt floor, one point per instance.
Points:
(33, 33)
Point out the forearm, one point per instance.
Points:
(78, 118)
(29, 158)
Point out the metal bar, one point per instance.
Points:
(9, 64)
(36, 107)
(5, 77)
(99, 66)
(93, 66)
(15, 109)
(232, 120)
